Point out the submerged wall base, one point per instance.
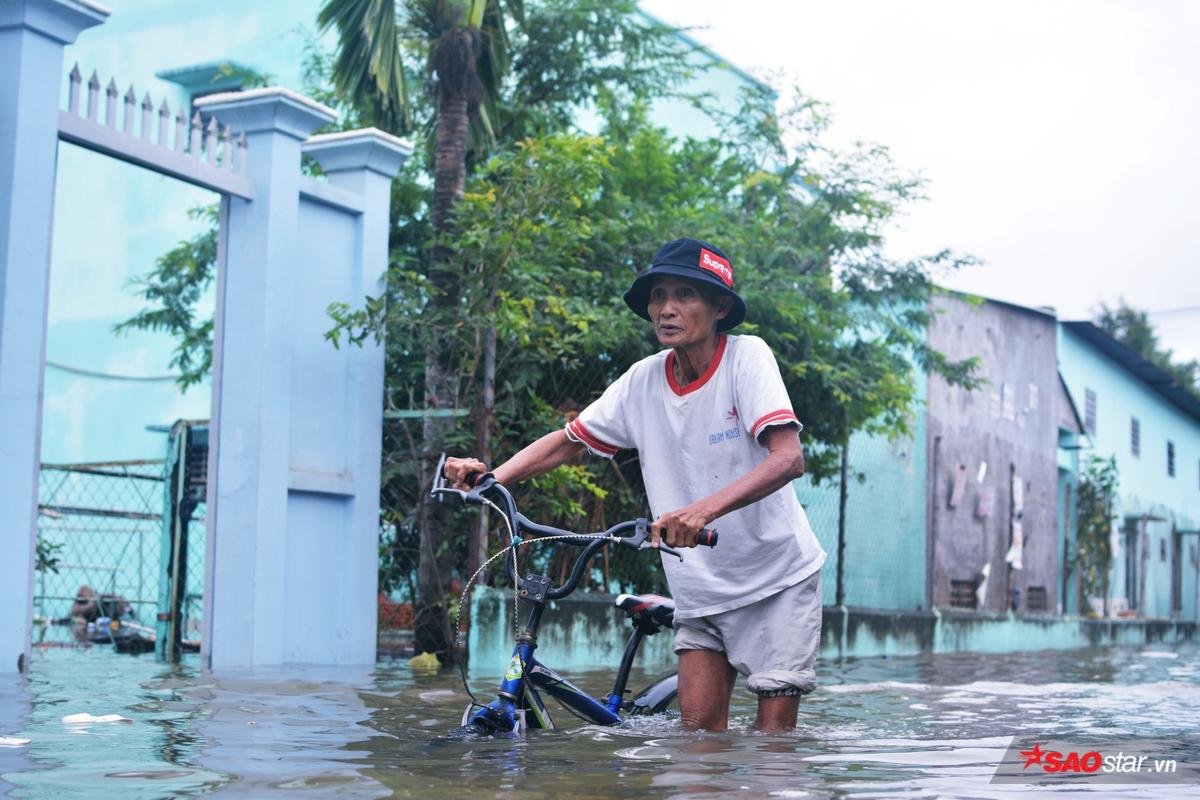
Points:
(587, 632)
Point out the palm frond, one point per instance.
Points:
(368, 72)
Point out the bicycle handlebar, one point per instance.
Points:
(592, 543)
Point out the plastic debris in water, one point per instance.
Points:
(12, 741)
(424, 661)
(86, 719)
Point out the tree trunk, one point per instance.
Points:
(432, 631)
(477, 549)
(843, 496)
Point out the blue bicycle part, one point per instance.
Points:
(519, 705)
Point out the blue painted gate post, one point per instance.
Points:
(33, 34)
(248, 455)
(340, 523)
(296, 424)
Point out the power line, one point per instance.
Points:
(107, 376)
(1166, 312)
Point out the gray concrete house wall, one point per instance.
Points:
(993, 458)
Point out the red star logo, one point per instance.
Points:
(1033, 756)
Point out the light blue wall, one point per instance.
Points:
(1145, 487)
(112, 220)
(885, 518)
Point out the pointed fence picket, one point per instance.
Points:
(202, 152)
(93, 96)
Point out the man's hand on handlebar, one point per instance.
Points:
(464, 472)
(680, 528)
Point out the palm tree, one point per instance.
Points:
(467, 60)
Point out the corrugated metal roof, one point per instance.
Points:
(1144, 370)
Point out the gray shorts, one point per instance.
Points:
(773, 642)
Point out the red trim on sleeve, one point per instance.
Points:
(703, 379)
(777, 417)
(588, 438)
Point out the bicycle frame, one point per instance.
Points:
(520, 706)
(525, 675)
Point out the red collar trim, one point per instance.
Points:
(703, 379)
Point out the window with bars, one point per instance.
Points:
(962, 594)
(1171, 459)
(1089, 411)
(1135, 437)
(1035, 598)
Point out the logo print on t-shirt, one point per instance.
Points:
(734, 432)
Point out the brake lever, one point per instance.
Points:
(437, 492)
(439, 478)
(480, 482)
(641, 540)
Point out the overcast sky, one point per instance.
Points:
(1060, 138)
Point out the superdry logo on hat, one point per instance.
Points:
(717, 266)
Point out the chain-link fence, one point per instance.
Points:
(885, 546)
(100, 536)
(99, 531)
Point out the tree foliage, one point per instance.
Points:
(1096, 507)
(172, 291)
(1132, 328)
(553, 230)
(47, 556)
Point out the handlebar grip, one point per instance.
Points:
(708, 538)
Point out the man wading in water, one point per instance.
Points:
(719, 446)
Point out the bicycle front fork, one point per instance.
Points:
(505, 714)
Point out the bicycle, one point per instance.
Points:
(519, 706)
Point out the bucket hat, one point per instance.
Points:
(694, 260)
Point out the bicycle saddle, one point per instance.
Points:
(650, 612)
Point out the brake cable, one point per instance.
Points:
(515, 541)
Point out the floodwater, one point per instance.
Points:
(931, 726)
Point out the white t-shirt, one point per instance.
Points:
(695, 440)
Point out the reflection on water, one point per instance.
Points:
(932, 726)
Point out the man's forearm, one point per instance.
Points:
(538, 458)
(776, 471)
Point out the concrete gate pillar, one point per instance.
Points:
(33, 34)
(293, 515)
(248, 441)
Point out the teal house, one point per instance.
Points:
(1136, 413)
